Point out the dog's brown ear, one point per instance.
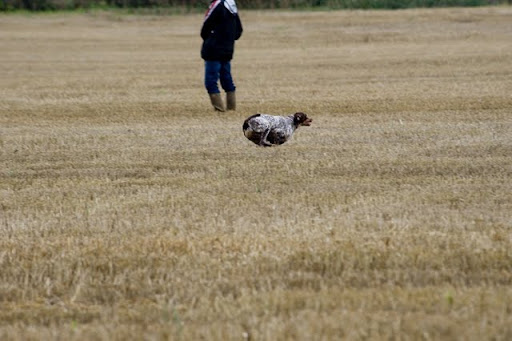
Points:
(299, 117)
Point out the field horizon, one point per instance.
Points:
(129, 209)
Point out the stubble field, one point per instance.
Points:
(129, 209)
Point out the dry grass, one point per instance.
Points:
(130, 210)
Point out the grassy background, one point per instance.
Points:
(187, 6)
(129, 209)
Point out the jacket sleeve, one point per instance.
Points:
(210, 23)
(239, 28)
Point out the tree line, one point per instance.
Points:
(197, 5)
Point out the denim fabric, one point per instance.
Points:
(215, 70)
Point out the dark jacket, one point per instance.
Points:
(220, 29)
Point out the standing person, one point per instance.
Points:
(221, 27)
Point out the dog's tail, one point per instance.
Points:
(246, 122)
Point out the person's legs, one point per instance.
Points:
(226, 81)
(211, 77)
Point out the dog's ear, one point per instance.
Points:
(299, 117)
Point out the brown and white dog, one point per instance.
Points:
(268, 130)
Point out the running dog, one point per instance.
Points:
(268, 130)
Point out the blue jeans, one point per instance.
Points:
(215, 70)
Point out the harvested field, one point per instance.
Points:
(129, 209)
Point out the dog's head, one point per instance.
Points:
(301, 119)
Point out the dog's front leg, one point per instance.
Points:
(263, 141)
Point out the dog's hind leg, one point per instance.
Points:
(264, 141)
